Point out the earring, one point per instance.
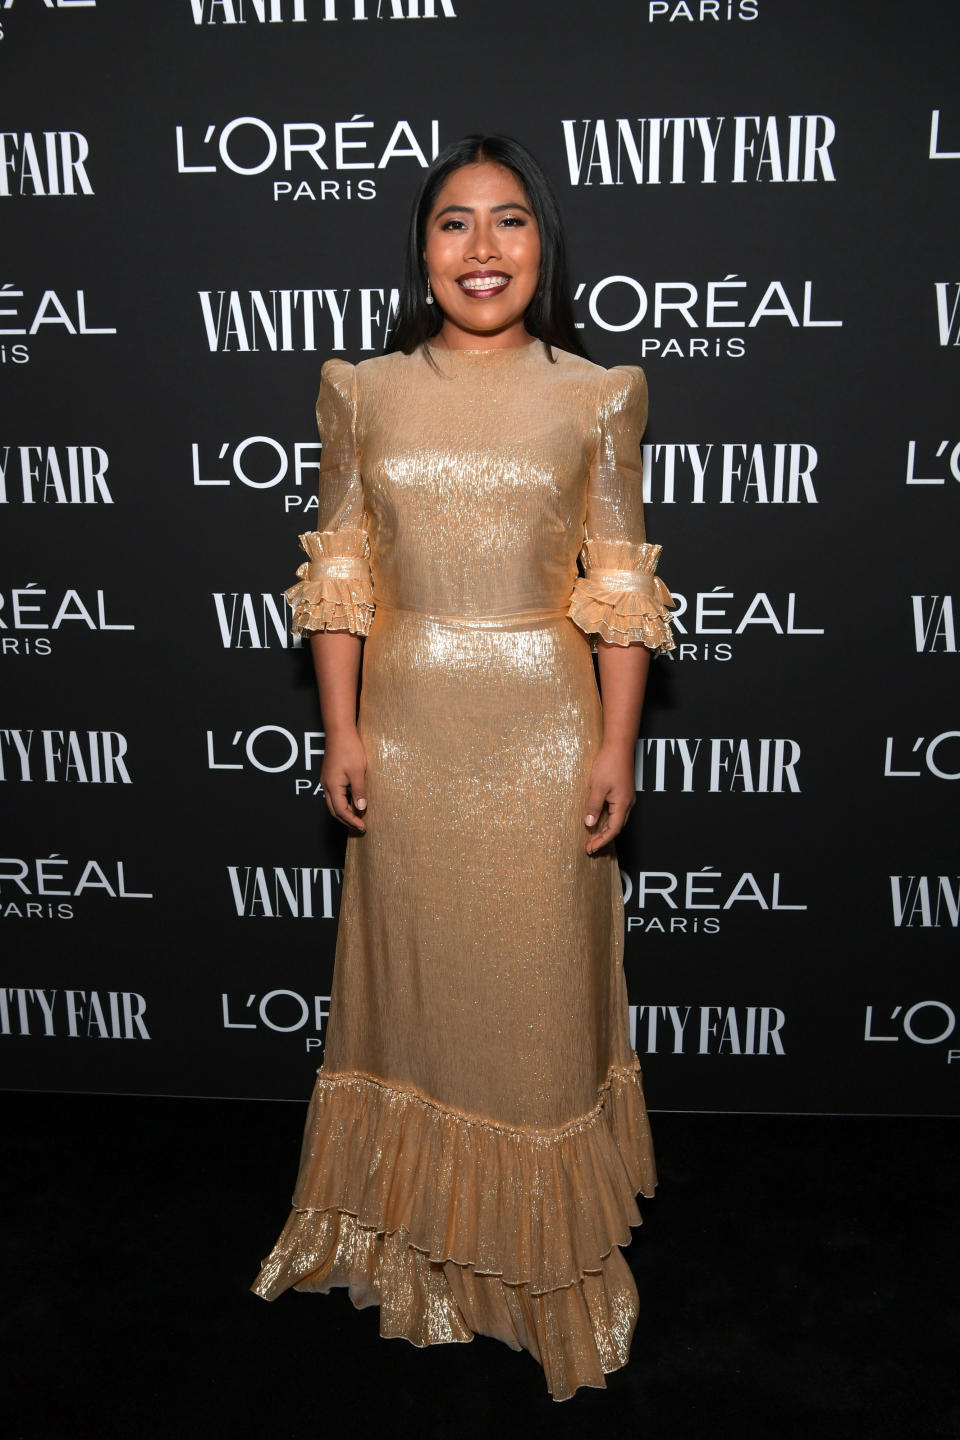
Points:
(429, 292)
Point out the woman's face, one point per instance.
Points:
(482, 254)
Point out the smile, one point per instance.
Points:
(481, 286)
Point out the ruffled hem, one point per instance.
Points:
(620, 597)
(623, 617)
(535, 1207)
(335, 590)
(456, 1225)
(579, 1333)
(330, 604)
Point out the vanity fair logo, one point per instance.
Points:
(32, 313)
(707, 1029)
(285, 1012)
(700, 150)
(934, 628)
(924, 1022)
(620, 303)
(259, 462)
(943, 459)
(81, 757)
(665, 902)
(948, 311)
(44, 162)
(294, 892)
(298, 12)
(941, 149)
(248, 621)
(74, 1014)
(722, 611)
(54, 475)
(699, 11)
(919, 757)
(44, 888)
(248, 321)
(301, 158)
(270, 750)
(27, 610)
(925, 902)
(748, 767)
(777, 473)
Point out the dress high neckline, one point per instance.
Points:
(443, 353)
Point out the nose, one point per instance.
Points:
(482, 245)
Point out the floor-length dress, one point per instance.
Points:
(477, 1133)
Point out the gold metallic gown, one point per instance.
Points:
(477, 1134)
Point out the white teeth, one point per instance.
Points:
(485, 282)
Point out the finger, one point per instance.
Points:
(611, 823)
(357, 781)
(618, 812)
(341, 807)
(329, 795)
(596, 796)
(599, 836)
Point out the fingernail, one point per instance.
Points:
(361, 804)
(591, 819)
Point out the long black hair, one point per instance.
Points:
(549, 315)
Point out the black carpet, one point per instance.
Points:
(798, 1278)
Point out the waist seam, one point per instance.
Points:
(516, 620)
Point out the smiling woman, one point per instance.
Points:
(482, 258)
(485, 210)
(478, 1132)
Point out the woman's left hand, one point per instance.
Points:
(611, 795)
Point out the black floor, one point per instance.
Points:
(798, 1278)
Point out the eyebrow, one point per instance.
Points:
(469, 209)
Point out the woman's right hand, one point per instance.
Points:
(343, 777)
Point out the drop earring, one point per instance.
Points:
(429, 292)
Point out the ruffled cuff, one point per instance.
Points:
(336, 589)
(620, 598)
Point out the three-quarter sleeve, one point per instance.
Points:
(620, 597)
(336, 589)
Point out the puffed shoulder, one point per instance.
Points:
(338, 382)
(623, 389)
(336, 400)
(337, 372)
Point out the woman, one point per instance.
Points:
(477, 1134)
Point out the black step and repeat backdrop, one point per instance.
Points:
(202, 200)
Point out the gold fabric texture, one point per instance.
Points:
(477, 1133)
